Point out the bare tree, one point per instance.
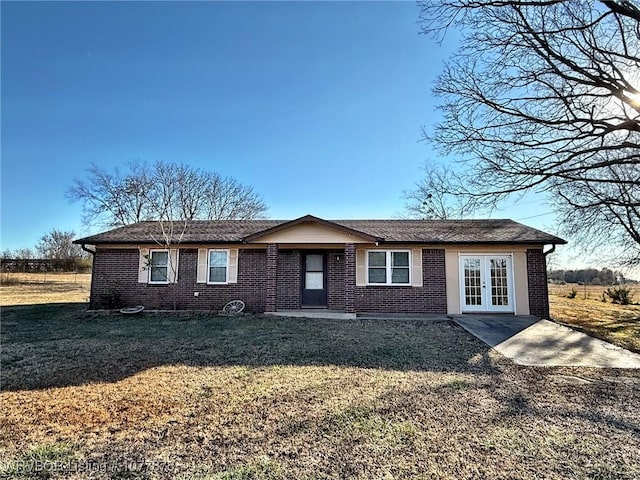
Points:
(174, 201)
(111, 198)
(58, 245)
(544, 95)
(227, 198)
(431, 197)
(19, 253)
(24, 253)
(155, 191)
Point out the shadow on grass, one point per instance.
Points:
(624, 331)
(57, 345)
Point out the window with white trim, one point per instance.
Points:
(218, 266)
(388, 267)
(159, 266)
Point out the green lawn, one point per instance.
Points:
(261, 397)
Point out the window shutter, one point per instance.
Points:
(172, 270)
(201, 276)
(232, 275)
(143, 272)
(361, 268)
(416, 267)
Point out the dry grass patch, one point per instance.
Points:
(619, 324)
(271, 398)
(42, 288)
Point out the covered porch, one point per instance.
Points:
(310, 279)
(310, 264)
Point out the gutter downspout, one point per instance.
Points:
(550, 251)
(93, 266)
(88, 250)
(546, 278)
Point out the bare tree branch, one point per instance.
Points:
(544, 96)
(162, 191)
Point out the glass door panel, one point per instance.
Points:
(472, 281)
(499, 282)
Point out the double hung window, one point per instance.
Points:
(218, 266)
(389, 267)
(159, 266)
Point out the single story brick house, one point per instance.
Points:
(350, 266)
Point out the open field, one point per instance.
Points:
(269, 398)
(38, 288)
(619, 324)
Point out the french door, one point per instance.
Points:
(486, 283)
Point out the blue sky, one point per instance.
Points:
(318, 106)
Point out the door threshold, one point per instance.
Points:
(485, 313)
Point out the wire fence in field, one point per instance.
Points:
(37, 265)
(22, 278)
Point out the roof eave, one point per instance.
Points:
(151, 241)
(475, 242)
(558, 241)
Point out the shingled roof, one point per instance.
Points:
(384, 231)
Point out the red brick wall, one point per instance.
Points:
(270, 279)
(349, 277)
(117, 269)
(288, 279)
(430, 298)
(537, 277)
(335, 279)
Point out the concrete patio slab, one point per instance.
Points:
(529, 341)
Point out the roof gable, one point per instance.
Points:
(310, 229)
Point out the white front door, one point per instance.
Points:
(486, 283)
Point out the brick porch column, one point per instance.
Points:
(349, 277)
(537, 279)
(271, 280)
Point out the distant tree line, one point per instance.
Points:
(591, 276)
(55, 252)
